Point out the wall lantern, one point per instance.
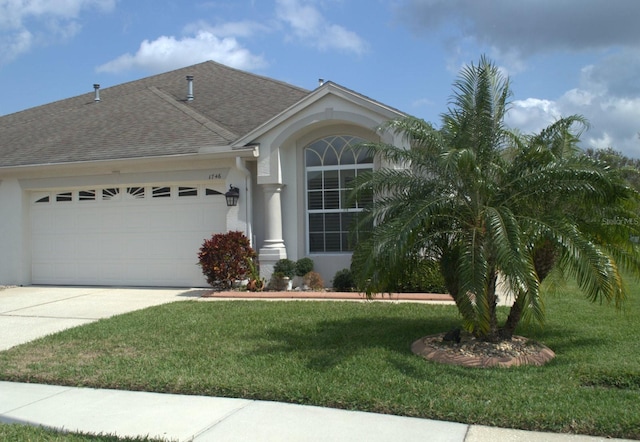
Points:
(232, 196)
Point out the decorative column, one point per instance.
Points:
(273, 248)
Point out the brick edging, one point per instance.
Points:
(328, 295)
(432, 353)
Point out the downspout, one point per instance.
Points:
(249, 203)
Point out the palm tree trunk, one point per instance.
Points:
(492, 300)
(515, 314)
(544, 258)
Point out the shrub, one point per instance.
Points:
(343, 281)
(304, 266)
(313, 280)
(278, 282)
(425, 277)
(286, 267)
(224, 258)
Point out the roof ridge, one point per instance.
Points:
(206, 122)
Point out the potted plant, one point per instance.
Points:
(303, 267)
(285, 269)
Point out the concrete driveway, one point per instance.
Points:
(28, 313)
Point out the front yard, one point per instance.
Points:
(356, 355)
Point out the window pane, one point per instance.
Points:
(135, 192)
(161, 192)
(364, 157)
(331, 179)
(316, 222)
(312, 158)
(347, 202)
(110, 194)
(64, 196)
(87, 195)
(333, 242)
(316, 242)
(347, 157)
(346, 178)
(187, 191)
(332, 200)
(347, 219)
(314, 180)
(314, 201)
(330, 157)
(347, 245)
(332, 222)
(339, 143)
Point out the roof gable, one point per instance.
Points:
(326, 89)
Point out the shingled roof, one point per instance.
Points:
(146, 118)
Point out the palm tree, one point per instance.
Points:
(490, 204)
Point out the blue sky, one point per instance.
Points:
(563, 56)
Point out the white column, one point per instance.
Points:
(273, 248)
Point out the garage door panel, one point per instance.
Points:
(150, 241)
(89, 217)
(87, 272)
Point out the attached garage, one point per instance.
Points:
(126, 235)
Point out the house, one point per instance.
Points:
(121, 185)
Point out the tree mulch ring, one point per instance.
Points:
(471, 352)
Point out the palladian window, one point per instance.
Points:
(331, 164)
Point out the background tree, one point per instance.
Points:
(629, 168)
(489, 203)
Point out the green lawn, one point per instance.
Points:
(356, 356)
(23, 433)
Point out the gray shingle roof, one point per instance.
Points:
(146, 117)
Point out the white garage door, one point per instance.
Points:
(140, 236)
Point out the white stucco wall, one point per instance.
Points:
(13, 236)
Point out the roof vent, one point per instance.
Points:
(96, 88)
(189, 87)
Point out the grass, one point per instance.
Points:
(356, 356)
(23, 433)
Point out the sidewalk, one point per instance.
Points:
(202, 419)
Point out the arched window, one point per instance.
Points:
(331, 164)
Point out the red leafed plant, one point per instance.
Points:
(224, 258)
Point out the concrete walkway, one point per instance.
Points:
(27, 313)
(30, 312)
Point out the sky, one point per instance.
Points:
(563, 57)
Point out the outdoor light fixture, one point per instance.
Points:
(232, 196)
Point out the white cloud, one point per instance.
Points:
(28, 23)
(615, 121)
(220, 42)
(14, 44)
(243, 28)
(532, 114)
(167, 53)
(310, 27)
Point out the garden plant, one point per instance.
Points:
(226, 258)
